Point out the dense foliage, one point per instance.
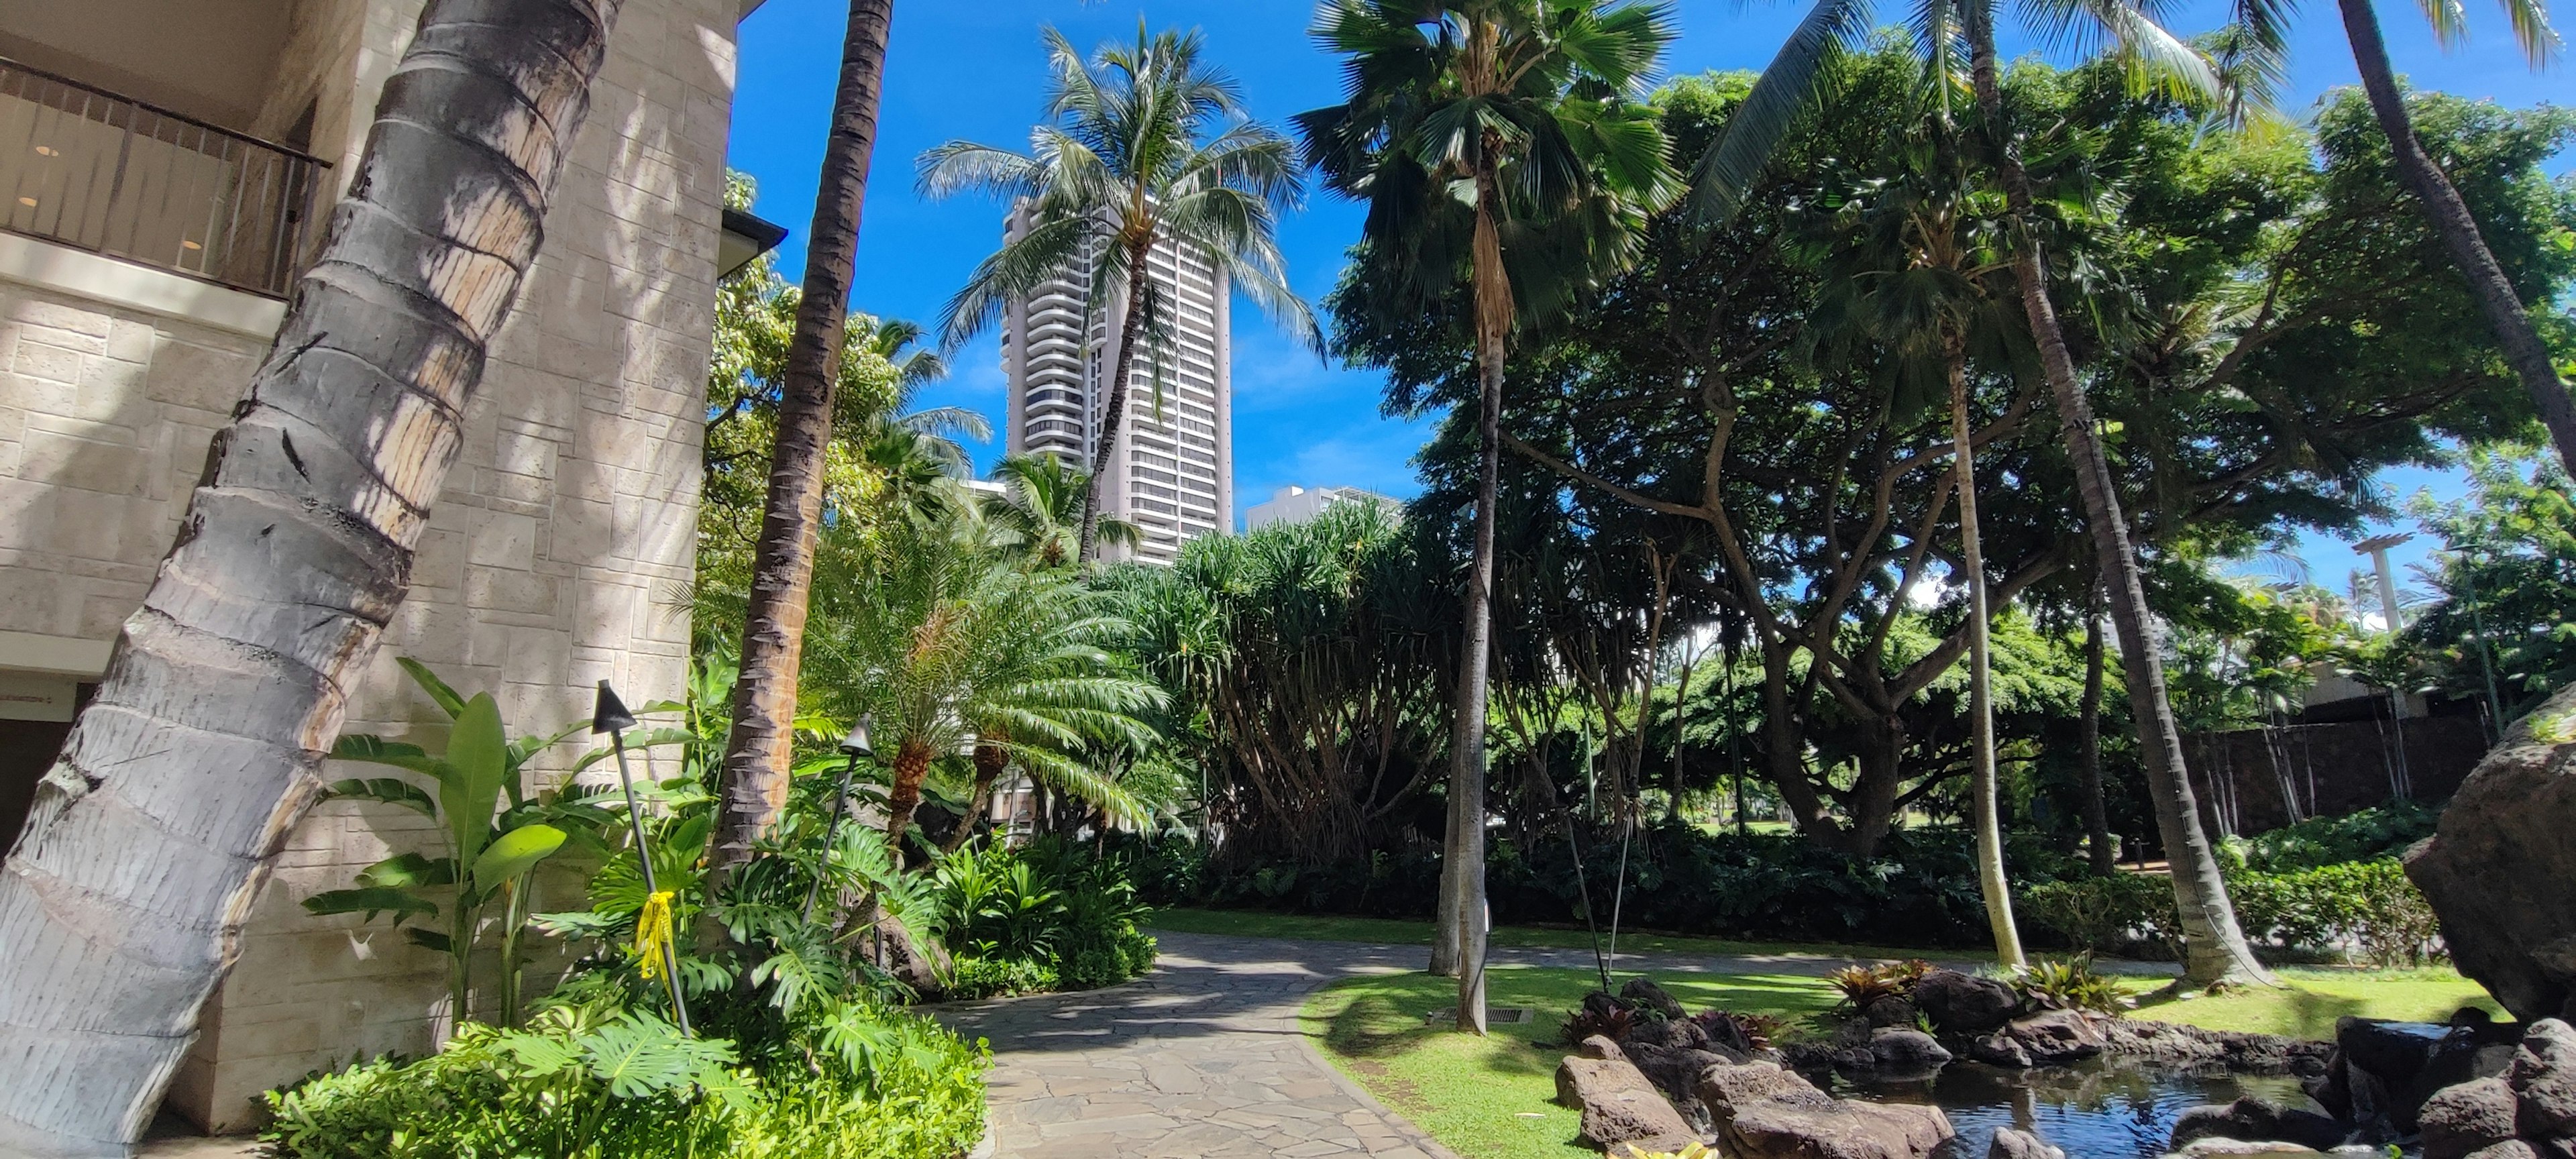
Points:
(1045, 916)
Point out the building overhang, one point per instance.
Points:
(745, 238)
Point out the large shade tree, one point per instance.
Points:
(122, 901)
(1146, 145)
(753, 790)
(1499, 143)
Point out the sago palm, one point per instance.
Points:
(1145, 145)
(1040, 510)
(2215, 947)
(1498, 142)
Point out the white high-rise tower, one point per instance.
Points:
(1172, 472)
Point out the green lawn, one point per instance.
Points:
(1410, 932)
(1489, 1097)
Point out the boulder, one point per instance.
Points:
(1599, 1046)
(1673, 1033)
(2462, 1120)
(1890, 1011)
(1676, 1072)
(1619, 1106)
(2238, 1051)
(1643, 994)
(1964, 1004)
(1727, 1088)
(1906, 1049)
(2500, 871)
(1763, 1112)
(2543, 1078)
(2509, 1149)
(919, 963)
(2256, 1120)
(2214, 1146)
(2013, 1144)
(2056, 1037)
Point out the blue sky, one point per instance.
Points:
(974, 70)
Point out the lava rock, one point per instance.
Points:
(2013, 1144)
(1763, 1112)
(1964, 1004)
(1890, 1011)
(2057, 1037)
(1671, 1034)
(2509, 1149)
(2216, 1146)
(1619, 1106)
(2237, 1051)
(2501, 873)
(2466, 1118)
(1999, 1049)
(1729, 1088)
(1676, 1071)
(1644, 994)
(1905, 1049)
(1599, 1046)
(2257, 1120)
(2543, 1078)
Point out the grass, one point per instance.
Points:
(1490, 1097)
(1415, 932)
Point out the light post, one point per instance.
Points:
(608, 714)
(853, 747)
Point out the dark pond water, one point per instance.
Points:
(2101, 1109)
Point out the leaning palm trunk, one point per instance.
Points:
(1131, 330)
(2459, 231)
(2214, 948)
(761, 747)
(122, 904)
(1467, 739)
(1981, 704)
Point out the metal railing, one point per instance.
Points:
(90, 169)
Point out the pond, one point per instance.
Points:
(2099, 1109)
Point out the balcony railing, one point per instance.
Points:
(88, 168)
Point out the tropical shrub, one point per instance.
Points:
(1050, 910)
(2068, 984)
(862, 1083)
(2380, 831)
(974, 977)
(2124, 913)
(2362, 909)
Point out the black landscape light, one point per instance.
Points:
(853, 747)
(608, 714)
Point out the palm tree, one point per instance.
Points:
(123, 898)
(753, 790)
(2443, 206)
(1145, 145)
(1499, 139)
(2215, 947)
(1918, 258)
(1040, 509)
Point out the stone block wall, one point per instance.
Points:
(560, 552)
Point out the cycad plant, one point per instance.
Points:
(1945, 30)
(1497, 143)
(1144, 145)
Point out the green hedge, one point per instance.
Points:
(2365, 908)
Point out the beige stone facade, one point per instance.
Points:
(557, 550)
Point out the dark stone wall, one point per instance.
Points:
(2328, 769)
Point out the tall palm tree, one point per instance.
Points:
(1041, 506)
(753, 790)
(1144, 145)
(122, 902)
(2215, 947)
(1915, 268)
(1501, 140)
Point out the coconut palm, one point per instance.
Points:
(1145, 145)
(2215, 947)
(122, 901)
(1497, 141)
(753, 790)
(1040, 509)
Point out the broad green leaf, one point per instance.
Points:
(371, 901)
(409, 871)
(376, 750)
(429, 682)
(386, 791)
(514, 853)
(430, 940)
(477, 761)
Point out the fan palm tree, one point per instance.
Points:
(2215, 946)
(122, 901)
(753, 790)
(1145, 145)
(1499, 140)
(1915, 271)
(1040, 509)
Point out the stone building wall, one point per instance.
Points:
(557, 554)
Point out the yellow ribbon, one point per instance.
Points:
(653, 933)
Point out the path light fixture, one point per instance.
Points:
(853, 747)
(608, 715)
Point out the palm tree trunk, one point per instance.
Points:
(2459, 231)
(1467, 740)
(2214, 948)
(1131, 330)
(2097, 822)
(1981, 703)
(121, 906)
(990, 760)
(753, 789)
(903, 797)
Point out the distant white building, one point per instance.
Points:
(1293, 504)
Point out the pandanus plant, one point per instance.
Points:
(493, 833)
